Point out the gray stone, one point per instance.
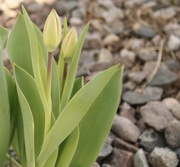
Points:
(165, 13)
(110, 39)
(132, 3)
(137, 43)
(105, 56)
(146, 55)
(116, 27)
(128, 112)
(77, 13)
(137, 76)
(144, 31)
(163, 75)
(93, 41)
(115, 13)
(173, 105)
(125, 129)
(150, 66)
(156, 40)
(75, 21)
(176, 111)
(131, 56)
(151, 139)
(173, 64)
(172, 134)
(156, 115)
(110, 138)
(178, 153)
(108, 4)
(173, 43)
(140, 159)
(163, 157)
(34, 7)
(170, 102)
(88, 58)
(63, 7)
(172, 28)
(105, 151)
(129, 85)
(148, 94)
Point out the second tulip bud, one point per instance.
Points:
(68, 44)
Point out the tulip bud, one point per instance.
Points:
(52, 31)
(68, 44)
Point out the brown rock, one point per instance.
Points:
(128, 112)
(125, 129)
(119, 143)
(121, 158)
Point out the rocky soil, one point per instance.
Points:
(144, 37)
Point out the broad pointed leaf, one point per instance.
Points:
(96, 124)
(73, 113)
(4, 103)
(68, 148)
(24, 81)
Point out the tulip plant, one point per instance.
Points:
(48, 116)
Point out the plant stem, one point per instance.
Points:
(65, 73)
(48, 93)
(13, 160)
(49, 78)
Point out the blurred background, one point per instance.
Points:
(142, 35)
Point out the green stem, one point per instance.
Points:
(61, 64)
(49, 78)
(13, 160)
(48, 93)
(64, 74)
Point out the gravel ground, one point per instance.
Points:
(144, 36)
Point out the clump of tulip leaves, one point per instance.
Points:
(47, 115)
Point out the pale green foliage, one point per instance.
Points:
(66, 129)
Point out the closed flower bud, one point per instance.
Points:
(68, 44)
(52, 31)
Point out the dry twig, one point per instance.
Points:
(151, 76)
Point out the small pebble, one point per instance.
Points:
(173, 43)
(172, 134)
(137, 76)
(147, 95)
(140, 159)
(125, 129)
(163, 157)
(151, 139)
(105, 151)
(110, 39)
(156, 115)
(165, 13)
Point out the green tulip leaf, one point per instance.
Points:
(13, 102)
(96, 124)
(28, 123)
(68, 148)
(73, 113)
(55, 90)
(24, 81)
(18, 46)
(4, 103)
(78, 84)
